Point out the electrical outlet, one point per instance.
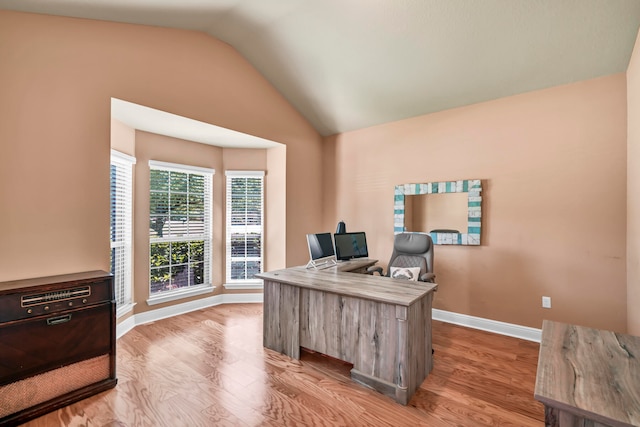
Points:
(546, 302)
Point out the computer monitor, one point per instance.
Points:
(320, 245)
(351, 245)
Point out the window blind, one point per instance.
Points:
(179, 226)
(121, 180)
(244, 225)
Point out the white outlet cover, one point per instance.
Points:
(546, 302)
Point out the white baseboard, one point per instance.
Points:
(502, 328)
(174, 310)
(125, 326)
(241, 298)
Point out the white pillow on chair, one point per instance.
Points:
(409, 273)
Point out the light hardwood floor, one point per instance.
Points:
(208, 368)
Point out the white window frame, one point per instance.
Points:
(207, 286)
(231, 229)
(121, 230)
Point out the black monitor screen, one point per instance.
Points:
(320, 245)
(351, 245)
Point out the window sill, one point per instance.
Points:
(179, 294)
(254, 284)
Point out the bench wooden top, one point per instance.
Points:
(589, 372)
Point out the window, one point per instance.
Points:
(121, 179)
(245, 231)
(179, 228)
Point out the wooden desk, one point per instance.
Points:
(380, 325)
(588, 377)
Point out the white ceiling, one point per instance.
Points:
(350, 64)
(156, 121)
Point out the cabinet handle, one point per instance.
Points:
(58, 320)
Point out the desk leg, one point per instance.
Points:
(281, 318)
(413, 354)
(402, 356)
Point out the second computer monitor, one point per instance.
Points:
(320, 245)
(351, 245)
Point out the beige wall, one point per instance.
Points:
(123, 138)
(633, 192)
(275, 253)
(57, 78)
(553, 168)
(244, 159)
(553, 165)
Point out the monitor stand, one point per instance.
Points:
(322, 263)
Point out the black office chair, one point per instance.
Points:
(412, 258)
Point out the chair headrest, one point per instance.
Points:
(412, 243)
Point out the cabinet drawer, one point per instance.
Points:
(32, 346)
(42, 300)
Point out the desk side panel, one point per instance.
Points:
(281, 314)
(419, 359)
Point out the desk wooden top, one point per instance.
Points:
(365, 286)
(591, 373)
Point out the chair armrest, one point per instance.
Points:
(427, 277)
(374, 269)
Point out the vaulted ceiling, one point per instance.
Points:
(351, 64)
